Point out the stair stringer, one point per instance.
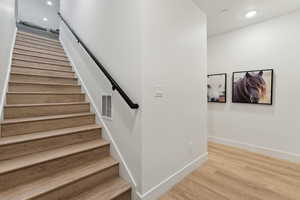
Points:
(5, 88)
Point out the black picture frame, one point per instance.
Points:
(225, 85)
(250, 71)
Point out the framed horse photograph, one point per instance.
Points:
(217, 88)
(253, 87)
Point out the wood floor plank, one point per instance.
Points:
(255, 156)
(235, 174)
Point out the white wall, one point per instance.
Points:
(273, 130)
(7, 30)
(144, 45)
(174, 63)
(35, 10)
(111, 30)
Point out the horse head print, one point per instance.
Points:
(250, 89)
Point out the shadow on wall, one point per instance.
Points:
(249, 108)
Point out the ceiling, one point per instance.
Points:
(34, 11)
(227, 15)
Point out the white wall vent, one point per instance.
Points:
(106, 106)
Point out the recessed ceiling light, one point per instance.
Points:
(251, 14)
(49, 3)
(45, 19)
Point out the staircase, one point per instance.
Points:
(50, 146)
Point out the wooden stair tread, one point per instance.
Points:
(38, 41)
(32, 49)
(44, 97)
(29, 64)
(47, 72)
(42, 72)
(109, 190)
(37, 36)
(58, 180)
(43, 118)
(29, 39)
(41, 157)
(31, 109)
(47, 134)
(35, 56)
(44, 104)
(49, 76)
(35, 46)
(40, 83)
(40, 55)
(39, 45)
(45, 93)
(31, 59)
(46, 69)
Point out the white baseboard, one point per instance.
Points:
(258, 149)
(3, 97)
(168, 183)
(114, 146)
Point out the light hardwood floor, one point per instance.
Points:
(235, 174)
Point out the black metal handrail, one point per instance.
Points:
(32, 25)
(115, 85)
